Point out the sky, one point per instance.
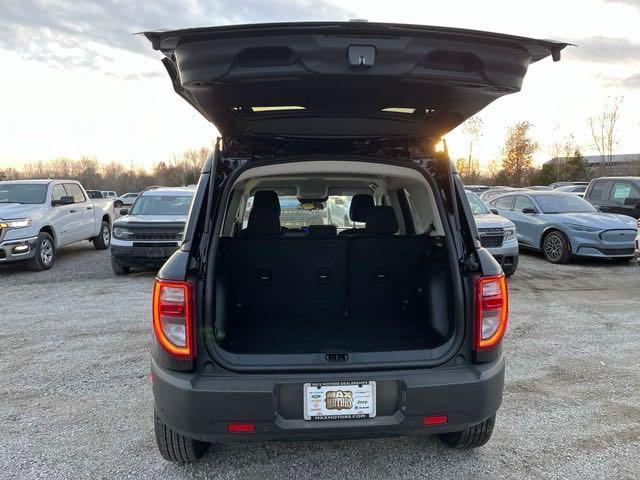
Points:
(76, 81)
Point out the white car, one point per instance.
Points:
(126, 199)
(37, 217)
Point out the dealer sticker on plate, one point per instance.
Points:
(339, 400)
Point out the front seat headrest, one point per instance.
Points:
(381, 220)
(264, 218)
(360, 205)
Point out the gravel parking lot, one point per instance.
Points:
(75, 396)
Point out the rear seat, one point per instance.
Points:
(281, 274)
(383, 267)
(321, 276)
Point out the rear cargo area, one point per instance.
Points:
(332, 294)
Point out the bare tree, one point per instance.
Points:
(603, 131)
(473, 129)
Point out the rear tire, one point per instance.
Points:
(509, 271)
(45, 253)
(119, 269)
(556, 248)
(103, 240)
(175, 447)
(472, 437)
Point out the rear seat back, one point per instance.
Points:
(286, 276)
(383, 267)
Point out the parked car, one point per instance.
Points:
(575, 189)
(497, 234)
(264, 334)
(477, 188)
(539, 187)
(493, 192)
(125, 200)
(38, 217)
(149, 233)
(556, 185)
(638, 244)
(109, 194)
(562, 225)
(615, 195)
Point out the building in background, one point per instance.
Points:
(624, 164)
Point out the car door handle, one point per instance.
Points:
(72, 211)
(89, 208)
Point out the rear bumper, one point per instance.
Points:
(201, 406)
(19, 249)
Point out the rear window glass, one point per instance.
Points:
(597, 192)
(295, 214)
(162, 205)
(74, 191)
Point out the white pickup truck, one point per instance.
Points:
(39, 216)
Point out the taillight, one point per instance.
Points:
(172, 322)
(492, 305)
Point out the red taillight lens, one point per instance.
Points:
(492, 307)
(172, 322)
(241, 428)
(435, 420)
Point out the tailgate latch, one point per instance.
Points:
(361, 55)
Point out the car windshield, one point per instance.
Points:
(477, 207)
(563, 204)
(27, 193)
(162, 205)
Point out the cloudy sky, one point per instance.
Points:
(76, 81)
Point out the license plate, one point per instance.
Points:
(339, 400)
(155, 253)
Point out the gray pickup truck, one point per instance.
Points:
(37, 217)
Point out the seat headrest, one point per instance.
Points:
(360, 205)
(381, 220)
(264, 218)
(322, 231)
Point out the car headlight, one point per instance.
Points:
(122, 233)
(509, 234)
(17, 223)
(582, 228)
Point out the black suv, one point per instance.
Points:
(615, 195)
(389, 323)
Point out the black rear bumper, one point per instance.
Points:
(201, 406)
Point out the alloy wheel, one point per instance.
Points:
(46, 252)
(553, 247)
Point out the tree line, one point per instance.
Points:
(178, 170)
(515, 163)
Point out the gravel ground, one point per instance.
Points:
(75, 396)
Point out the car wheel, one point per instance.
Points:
(103, 240)
(508, 271)
(471, 437)
(119, 269)
(175, 447)
(556, 247)
(45, 253)
(117, 204)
